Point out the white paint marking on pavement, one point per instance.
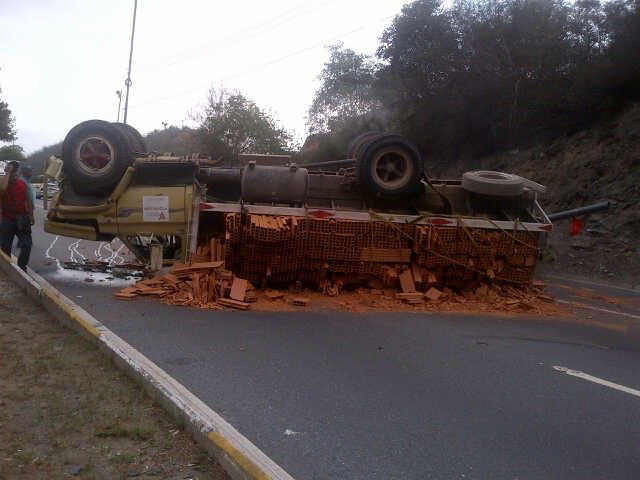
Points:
(598, 309)
(72, 252)
(115, 257)
(118, 259)
(112, 254)
(591, 378)
(74, 249)
(98, 251)
(47, 254)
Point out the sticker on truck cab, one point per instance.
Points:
(155, 208)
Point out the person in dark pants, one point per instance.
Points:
(16, 214)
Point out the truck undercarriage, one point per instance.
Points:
(373, 215)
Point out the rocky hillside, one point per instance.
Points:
(601, 163)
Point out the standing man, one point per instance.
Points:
(16, 214)
(26, 172)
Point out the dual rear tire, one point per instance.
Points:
(96, 154)
(388, 166)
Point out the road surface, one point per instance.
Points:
(389, 395)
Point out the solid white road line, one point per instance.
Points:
(591, 378)
(589, 282)
(598, 309)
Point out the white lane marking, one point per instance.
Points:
(591, 378)
(598, 309)
(595, 284)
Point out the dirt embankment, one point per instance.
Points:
(600, 163)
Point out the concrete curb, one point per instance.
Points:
(238, 456)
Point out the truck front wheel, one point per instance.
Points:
(95, 155)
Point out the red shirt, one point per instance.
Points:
(14, 200)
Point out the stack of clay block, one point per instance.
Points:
(286, 249)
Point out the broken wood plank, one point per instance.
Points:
(194, 267)
(409, 296)
(250, 297)
(228, 302)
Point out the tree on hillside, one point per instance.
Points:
(11, 152)
(622, 23)
(489, 74)
(480, 76)
(38, 158)
(346, 91)
(418, 80)
(232, 124)
(172, 139)
(7, 133)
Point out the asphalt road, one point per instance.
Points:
(393, 396)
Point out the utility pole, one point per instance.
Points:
(127, 82)
(119, 94)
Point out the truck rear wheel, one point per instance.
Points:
(390, 167)
(357, 145)
(95, 155)
(136, 141)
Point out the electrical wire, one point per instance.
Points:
(236, 37)
(255, 68)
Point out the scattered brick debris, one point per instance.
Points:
(406, 282)
(200, 284)
(300, 301)
(238, 289)
(273, 294)
(433, 294)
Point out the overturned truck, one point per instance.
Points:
(375, 213)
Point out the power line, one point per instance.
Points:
(237, 37)
(303, 50)
(255, 68)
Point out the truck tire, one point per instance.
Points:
(136, 141)
(390, 167)
(357, 145)
(95, 155)
(497, 184)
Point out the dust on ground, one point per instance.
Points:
(67, 412)
(488, 300)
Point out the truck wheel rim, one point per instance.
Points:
(95, 155)
(391, 168)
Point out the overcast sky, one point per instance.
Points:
(62, 61)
